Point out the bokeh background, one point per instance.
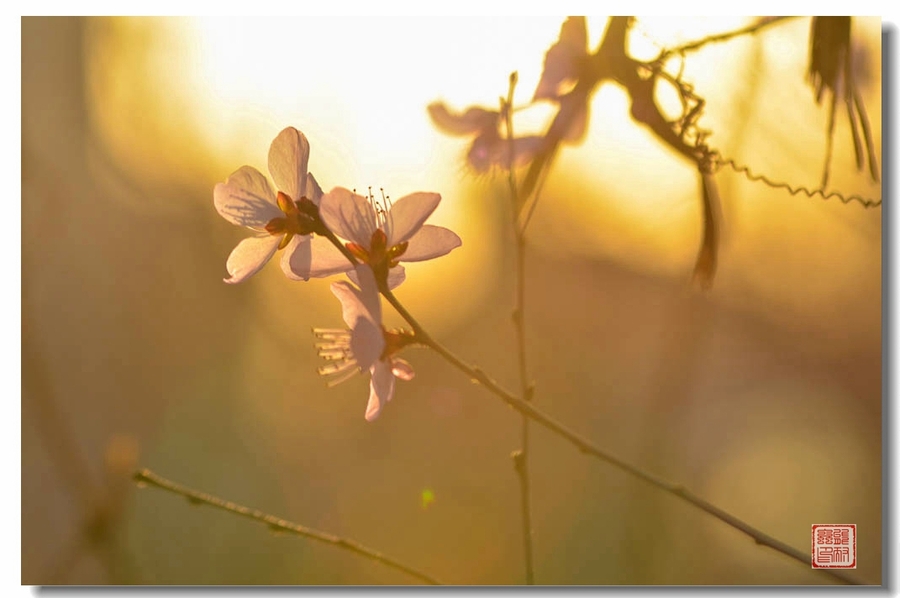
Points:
(762, 395)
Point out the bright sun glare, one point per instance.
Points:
(359, 89)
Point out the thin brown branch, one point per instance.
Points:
(145, 476)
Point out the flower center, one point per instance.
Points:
(300, 218)
(379, 256)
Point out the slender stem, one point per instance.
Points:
(520, 457)
(539, 185)
(478, 376)
(337, 243)
(145, 476)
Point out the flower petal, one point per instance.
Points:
(368, 289)
(563, 60)
(351, 304)
(396, 275)
(488, 152)
(249, 256)
(484, 152)
(348, 215)
(316, 257)
(430, 242)
(472, 120)
(366, 342)
(359, 302)
(298, 245)
(288, 161)
(246, 199)
(381, 389)
(408, 215)
(312, 191)
(401, 369)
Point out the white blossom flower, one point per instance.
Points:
(366, 345)
(382, 235)
(489, 148)
(285, 220)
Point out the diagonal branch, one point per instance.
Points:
(478, 376)
(145, 476)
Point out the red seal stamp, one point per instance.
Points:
(834, 546)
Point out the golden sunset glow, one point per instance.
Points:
(358, 89)
(166, 323)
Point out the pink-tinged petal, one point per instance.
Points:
(401, 369)
(472, 120)
(249, 256)
(381, 389)
(352, 306)
(366, 342)
(564, 58)
(316, 257)
(299, 244)
(246, 199)
(408, 215)
(312, 191)
(396, 276)
(348, 215)
(288, 161)
(359, 302)
(430, 242)
(524, 151)
(484, 153)
(368, 289)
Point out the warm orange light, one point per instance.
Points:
(207, 95)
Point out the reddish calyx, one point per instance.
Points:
(395, 340)
(379, 256)
(300, 218)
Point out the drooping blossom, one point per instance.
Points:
(367, 345)
(382, 235)
(565, 64)
(489, 148)
(283, 221)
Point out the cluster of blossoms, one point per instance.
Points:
(324, 234)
